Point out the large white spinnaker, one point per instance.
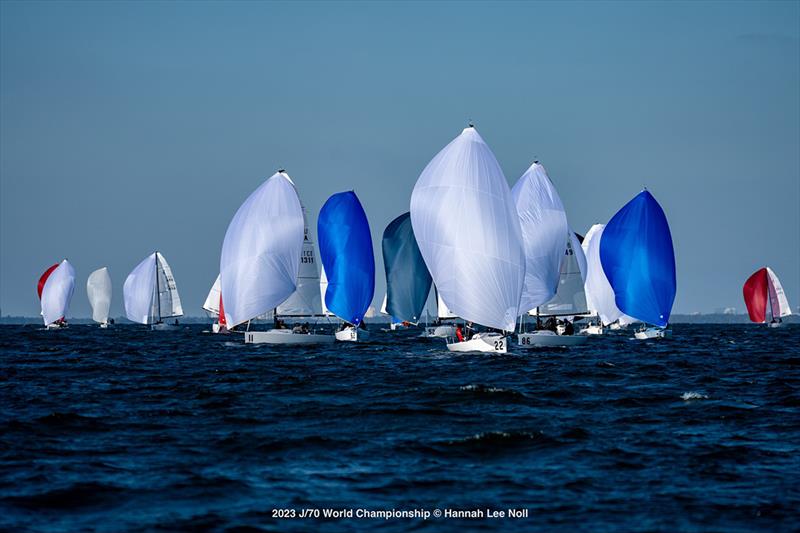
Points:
(467, 228)
(599, 294)
(98, 288)
(262, 250)
(777, 296)
(57, 293)
(543, 222)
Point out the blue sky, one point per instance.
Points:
(131, 127)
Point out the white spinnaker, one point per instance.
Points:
(323, 286)
(169, 302)
(261, 251)
(599, 294)
(442, 311)
(139, 289)
(777, 292)
(570, 298)
(98, 288)
(384, 303)
(305, 300)
(468, 231)
(543, 222)
(211, 305)
(57, 293)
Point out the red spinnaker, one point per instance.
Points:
(44, 277)
(222, 321)
(755, 295)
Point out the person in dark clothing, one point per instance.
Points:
(469, 330)
(569, 329)
(551, 324)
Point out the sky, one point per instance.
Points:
(132, 127)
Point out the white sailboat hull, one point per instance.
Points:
(652, 333)
(481, 342)
(439, 332)
(352, 334)
(286, 336)
(615, 326)
(104, 325)
(775, 324)
(547, 338)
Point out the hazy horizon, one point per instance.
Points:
(132, 127)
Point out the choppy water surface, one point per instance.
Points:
(126, 429)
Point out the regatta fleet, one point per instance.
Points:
(502, 264)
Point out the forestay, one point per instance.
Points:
(261, 251)
(57, 292)
(639, 261)
(543, 222)
(467, 229)
(98, 288)
(345, 248)
(408, 281)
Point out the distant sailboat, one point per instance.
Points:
(408, 281)
(765, 298)
(468, 232)
(215, 308)
(261, 259)
(345, 248)
(639, 261)
(151, 295)
(55, 289)
(98, 288)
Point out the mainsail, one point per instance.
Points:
(639, 261)
(98, 288)
(468, 231)
(168, 303)
(56, 287)
(211, 305)
(570, 298)
(345, 247)
(305, 300)
(262, 250)
(544, 224)
(408, 281)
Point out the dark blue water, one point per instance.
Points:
(126, 429)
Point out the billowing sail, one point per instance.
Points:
(639, 261)
(305, 300)
(323, 287)
(544, 223)
(211, 305)
(168, 303)
(408, 281)
(467, 229)
(570, 298)
(98, 287)
(599, 294)
(261, 251)
(776, 293)
(56, 292)
(43, 279)
(345, 247)
(764, 296)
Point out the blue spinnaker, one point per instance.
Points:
(408, 281)
(638, 259)
(345, 248)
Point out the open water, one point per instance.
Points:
(127, 429)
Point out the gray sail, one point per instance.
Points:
(408, 281)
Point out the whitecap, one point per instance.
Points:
(693, 396)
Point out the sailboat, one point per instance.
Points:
(55, 289)
(765, 298)
(345, 248)
(554, 262)
(468, 232)
(98, 287)
(408, 281)
(639, 261)
(261, 258)
(215, 309)
(151, 295)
